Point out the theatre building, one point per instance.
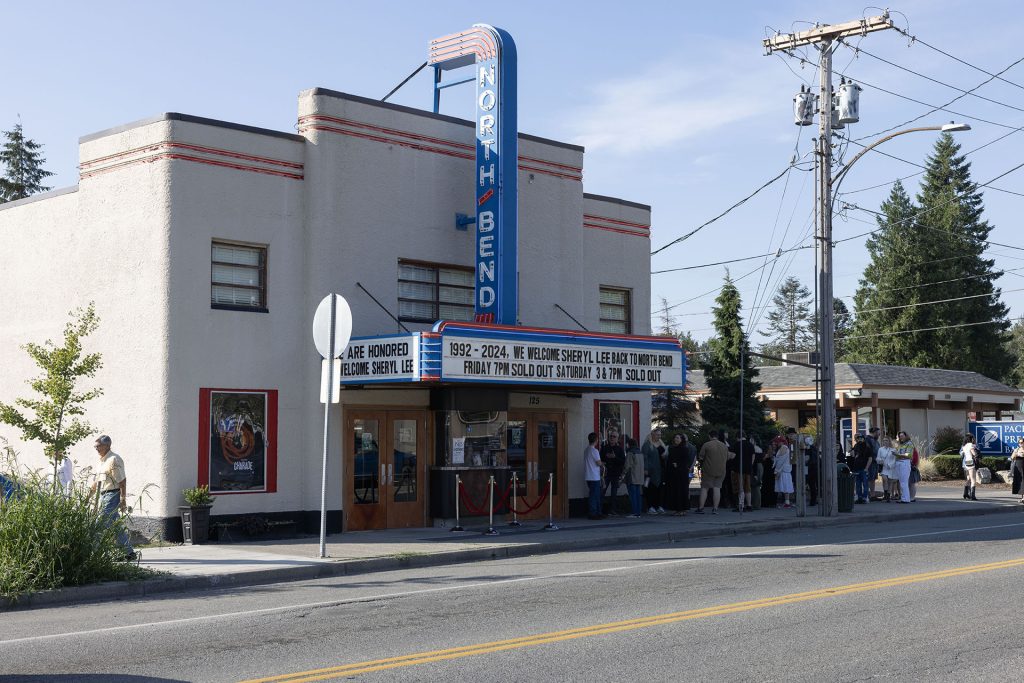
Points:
(499, 312)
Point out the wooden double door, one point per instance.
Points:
(385, 469)
(536, 452)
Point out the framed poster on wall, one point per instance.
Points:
(238, 440)
(621, 418)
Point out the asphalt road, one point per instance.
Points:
(936, 600)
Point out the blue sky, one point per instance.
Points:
(676, 103)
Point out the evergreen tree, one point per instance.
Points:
(1015, 349)
(721, 407)
(23, 173)
(842, 324)
(789, 320)
(942, 238)
(669, 408)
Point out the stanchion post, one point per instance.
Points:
(512, 498)
(550, 526)
(491, 531)
(458, 485)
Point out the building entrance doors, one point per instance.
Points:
(536, 449)
(385, 469)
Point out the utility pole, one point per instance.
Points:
(825, 38)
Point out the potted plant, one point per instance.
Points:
(195, 516)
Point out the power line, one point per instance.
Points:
(915, 39)
(928, 227)
(777, 254)
(971, 92)
(994, 274)
(721, 215)
(940, 301)
(924, 329)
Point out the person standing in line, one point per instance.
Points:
(860, 464)
(1017, 468)
(614, 459)
(633, 475)
(112, 484)
(593, 470)
(741, 484)
(712, 458)
(887, 461)
(904, 453)
(782, 464)
(654, 450)
(677, 475)
(970, 461)
(873, 469)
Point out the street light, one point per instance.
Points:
(826, 332)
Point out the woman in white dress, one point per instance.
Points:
(783, 467)
(887, 461)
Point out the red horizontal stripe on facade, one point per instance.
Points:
(188, 157)
(616, 221)
(196, 148)
(567, 167)
(621, 231)
(419, 146)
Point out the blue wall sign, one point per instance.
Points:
(492, 52)
(996, 438)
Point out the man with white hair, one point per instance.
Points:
(112, 483)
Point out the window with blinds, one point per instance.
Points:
(238, 277)
(616, 315)
(428, 292)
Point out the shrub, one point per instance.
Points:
(49, 540)
(928, 470)
(947, 466)
(947, 440)
(996, 463)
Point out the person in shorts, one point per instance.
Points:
(712, 458)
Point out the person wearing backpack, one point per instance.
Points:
(970, 461)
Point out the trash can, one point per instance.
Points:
(844, 482)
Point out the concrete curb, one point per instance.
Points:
(317, 569)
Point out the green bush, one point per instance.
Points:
(948, 440)
(947, 466)
(996, 463)
(49, 540)
(198, 496)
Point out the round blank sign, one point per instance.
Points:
(322, 326)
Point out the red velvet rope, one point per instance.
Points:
(531, 508)
(473, 509)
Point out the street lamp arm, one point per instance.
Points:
(950, 127)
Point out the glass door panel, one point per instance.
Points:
(366, 464)
(516, 453)
(547, 455)
(405, 479)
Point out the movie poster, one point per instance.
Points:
(238, 441)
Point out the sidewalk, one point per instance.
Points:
(235, 564)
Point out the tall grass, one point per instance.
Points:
(49, 539)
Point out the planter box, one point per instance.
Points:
(195, 524)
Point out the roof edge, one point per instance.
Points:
(337, 94)
(49, 194)
(188, 118)
(616, 200)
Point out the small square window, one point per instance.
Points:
(238, 277)
(616, 314)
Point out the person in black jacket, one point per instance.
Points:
(614, 458)
(681, 456)
(860, 463)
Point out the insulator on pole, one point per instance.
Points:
(803, 107)
(849, 102)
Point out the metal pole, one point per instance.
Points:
(327, 418)
(512, 497)
(491, 531)
(458, 485)
(739, 444)
(826, 327)
(551, 497)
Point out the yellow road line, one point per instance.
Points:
(626, 625)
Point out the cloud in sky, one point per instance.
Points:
(670, 103)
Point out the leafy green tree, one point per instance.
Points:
(927, 253)
(721, 406)
(789, 320)
(59, 402)
(23, 174)
(842, 324)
